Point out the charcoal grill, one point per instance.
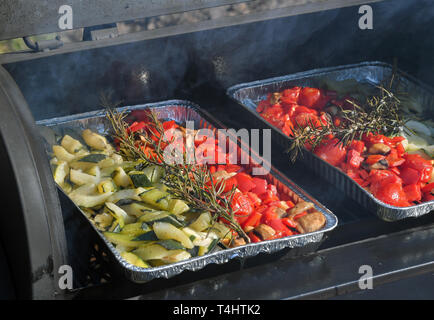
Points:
(40, 230)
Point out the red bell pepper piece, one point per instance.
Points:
(268, 215)
(253, 237)
(241, 205)
(297, 216)
(262, 105)
(332, 151)
(374, 158)
(290, 96)
(136, 126)
(253, 220)
(354, 159)
(393, 194)
(254, 199)
(309, 97)
(279, 227)
(410, 176)
(245, 182)
(413, 192)
(357, 145)
(428, 188)
(260, 185)
(289, 223)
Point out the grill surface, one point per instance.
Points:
(200, 67)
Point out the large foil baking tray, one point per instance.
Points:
(369, 73)
(182, 111)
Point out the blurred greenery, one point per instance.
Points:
(12, 45)
(19, 45)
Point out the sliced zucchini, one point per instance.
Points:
(205, 249)
(132, 194)
(119, 214)
(147, 236)
(162, 216)
(107, 163)
(61, 154)
(151, 252)
(103, 220)
(94, 140)
(61, 171)
(89, 201)
(154, 173)
(106, 186)
(71, 145)
(178, 206)
(126, 165)
(138, 209)
(94, 171)
(222, 231)
(139, 179)
(93, 158)
(121, 178)
(202, 222)
(134, 260)
(136, 229)
(66, 187)
(176, 256)
(148, 217)
(80, 178)
(117, 158)
(156, 197)
(84, 190)
(122, 239)
(170, 244)
(165, 231)
(83, 166)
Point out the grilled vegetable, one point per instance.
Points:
(94, 140)
(165, 231)
(121, 178)
(71, 145)
(61, 171)
(134, 260)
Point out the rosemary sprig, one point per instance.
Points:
(189, 182)
(379, 113)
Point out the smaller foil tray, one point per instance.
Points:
(369, 73)
(181, 111)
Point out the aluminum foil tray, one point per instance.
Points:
(369, 73)
(181, 111)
